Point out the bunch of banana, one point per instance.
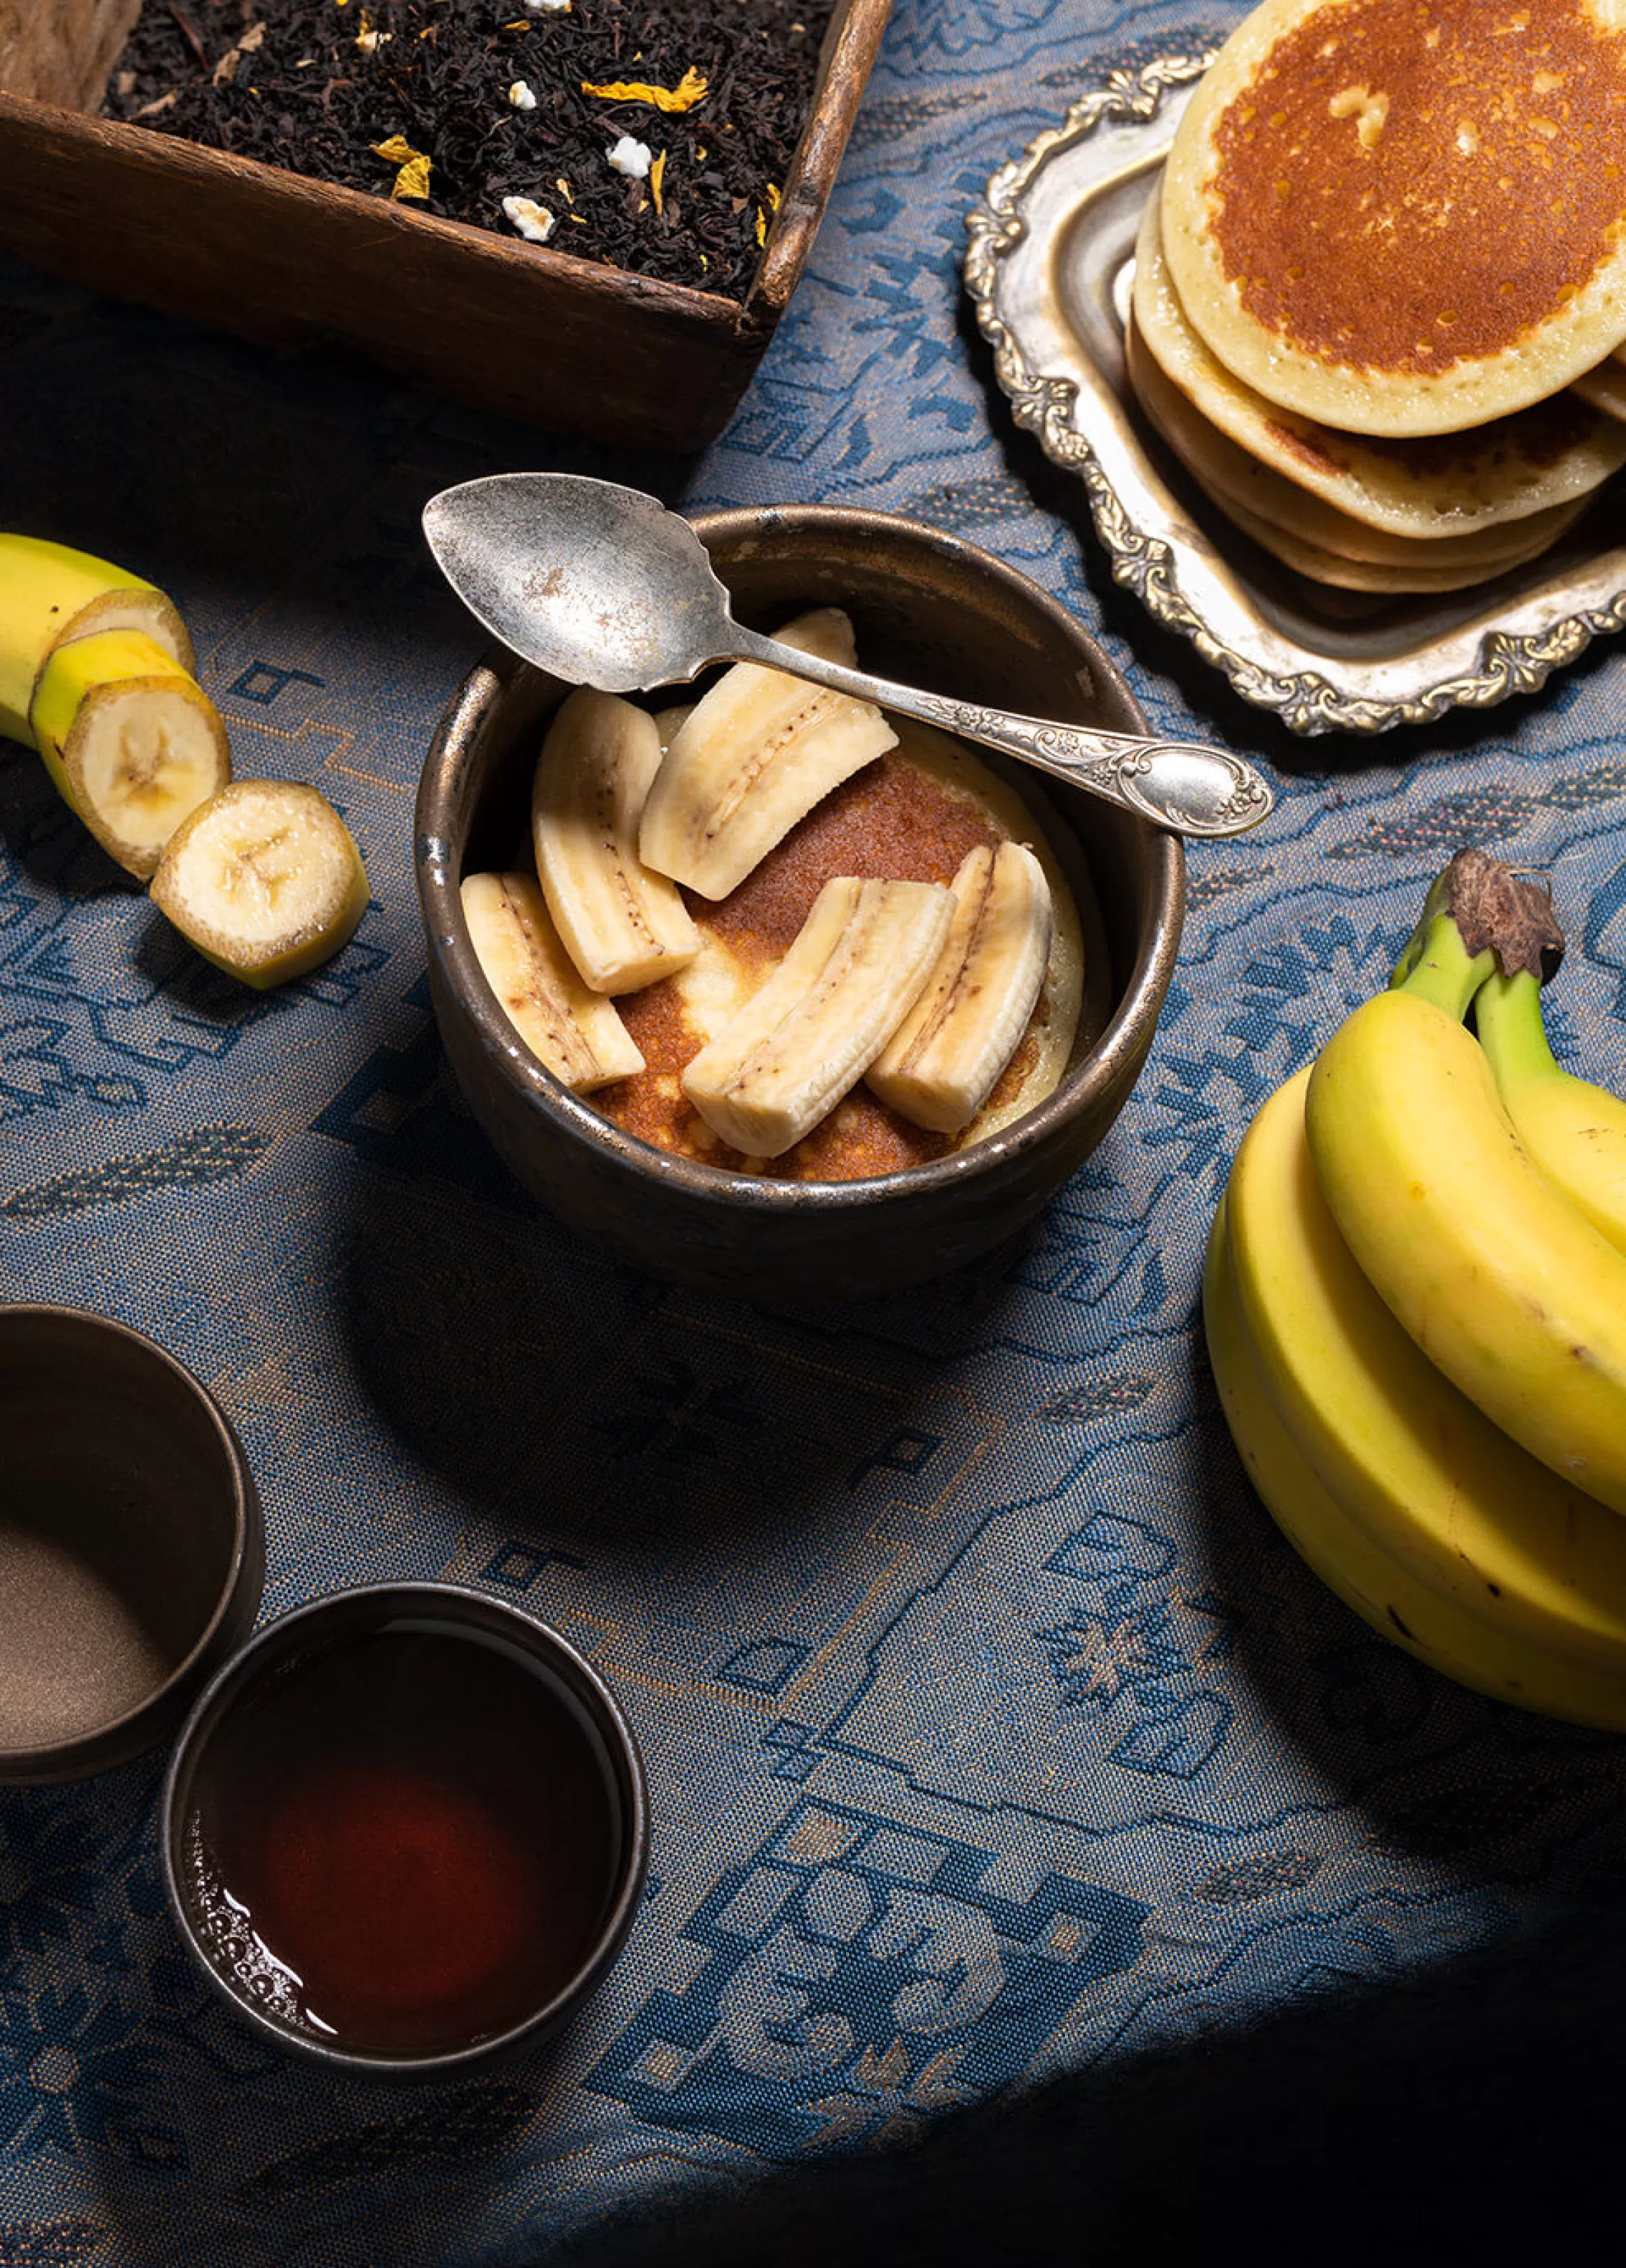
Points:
(1415, 1304)
(96, 673)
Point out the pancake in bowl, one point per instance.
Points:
(1407, 216)
(1243, 486)
(912, 815)
(1421, 490)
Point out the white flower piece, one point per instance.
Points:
(520, 95)
(534, 221)
(369, 41)
(547, 7)
(633, 158)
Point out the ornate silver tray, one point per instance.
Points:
(1049, 267)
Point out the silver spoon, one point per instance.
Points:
(602, 585)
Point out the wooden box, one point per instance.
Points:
(517, 328)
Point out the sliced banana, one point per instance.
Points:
(945, 1059)
(49, 594)
(572, 1032)
(265, 880)
(622, 926)
(670, 722)
(131, 742)
(856, 968)
(752, 757)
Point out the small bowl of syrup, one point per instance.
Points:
(405, 1830)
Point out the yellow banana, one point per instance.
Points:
(1427, 1476)
(1437, 1630)
(132, 742)
(1575, 1132)
(49, 595)
(1501, 1281)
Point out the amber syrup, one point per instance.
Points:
(406, 1843)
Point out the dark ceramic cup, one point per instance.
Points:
(131, 1551)
(208, 1758)
(929, 610)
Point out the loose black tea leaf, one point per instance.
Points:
(494, 96)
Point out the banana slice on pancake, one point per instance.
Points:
(622, 926)
(1319, 566)
(1401, 219)
(573, 1032)
(858, 964)
(1467, 485)
(946, 1057)
(751, 758)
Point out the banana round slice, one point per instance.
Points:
(131, 742)
(49, 594)
(265, 880)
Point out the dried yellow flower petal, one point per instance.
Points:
(412, 181)
(690, 88)
(761, 225)
(772, 194)
(657, 175)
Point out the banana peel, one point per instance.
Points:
(51, 595)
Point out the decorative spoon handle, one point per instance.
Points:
(1179, 785)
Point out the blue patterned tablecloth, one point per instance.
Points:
(991, 1729)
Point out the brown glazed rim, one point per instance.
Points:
(1142, 996)
(368, 1605)
(17, 1316)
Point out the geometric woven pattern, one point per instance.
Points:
(991, 1728)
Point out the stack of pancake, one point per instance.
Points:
(1380, 305)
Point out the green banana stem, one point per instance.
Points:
(1507, 1016)
(1438, 967)
(1481, 922)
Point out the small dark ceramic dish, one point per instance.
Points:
(231, 1758)
(931, 611)
(131, 1551)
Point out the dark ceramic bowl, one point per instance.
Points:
(131, 1551)
(271, 1661)
(931, 611)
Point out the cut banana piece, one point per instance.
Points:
(131, 742)
(755, 756)
(574, 1033)
(856, 968)
(670, 722)
(49, 594)
(264, 879)
(945, 1059)
(622, 926)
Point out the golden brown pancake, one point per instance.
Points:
(1417, 489)
(1319, 566)
(1605, 388)
(910, 816)
(1407, 216)
(1232, 477)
